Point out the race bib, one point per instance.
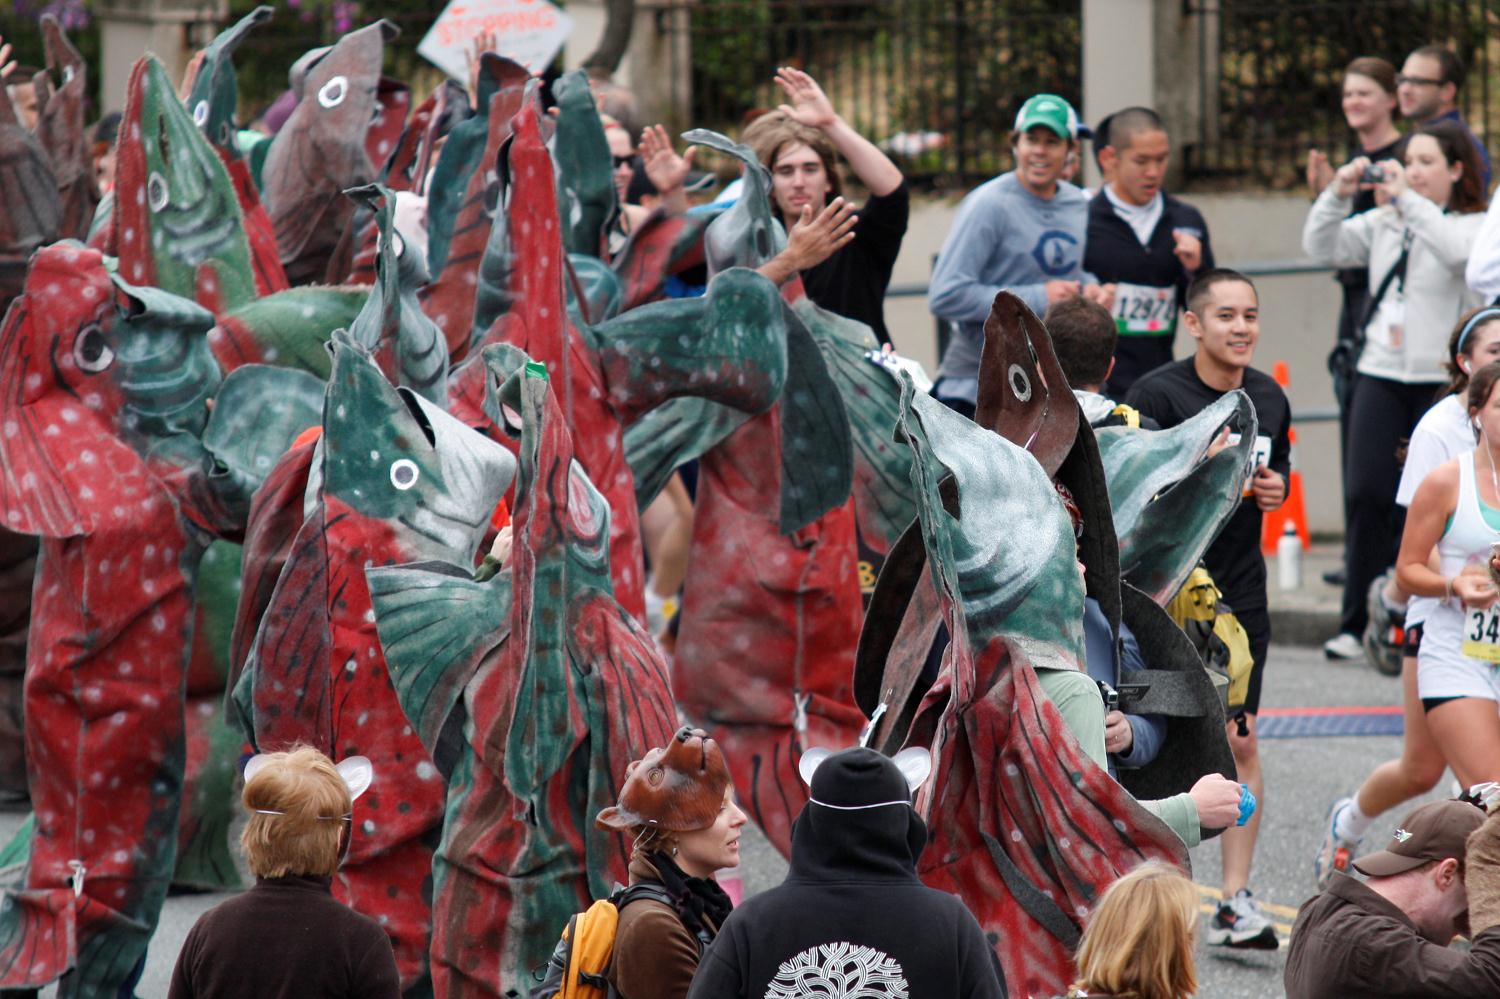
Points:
(1482, 633)
(1260, 456)
(1388, 325)
(1141, 310)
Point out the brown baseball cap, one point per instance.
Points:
(1436, 831)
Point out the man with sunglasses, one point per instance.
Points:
(1427, 91)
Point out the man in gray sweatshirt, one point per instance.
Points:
(1022, 232)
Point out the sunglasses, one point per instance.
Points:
(623, 160)
(1417, 81)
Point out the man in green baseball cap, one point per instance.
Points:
(1022, 232)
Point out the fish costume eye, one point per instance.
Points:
(200, 113)
(1019, 383)
(332, 93)
(404, 474)
(157, 194)
(91, 351)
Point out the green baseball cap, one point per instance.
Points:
(1050, 111)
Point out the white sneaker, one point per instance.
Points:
(1238, 922)
(1335, 854)
(1343, 646)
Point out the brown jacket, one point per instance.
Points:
(655, 956)
(1350, 941)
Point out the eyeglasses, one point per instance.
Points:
(1417, 81)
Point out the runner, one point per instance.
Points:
(1223, 316)
(1457, 509)
(1143, 242)
(1443, 433)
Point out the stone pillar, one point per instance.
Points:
(1119, 69)
(659, 63)
(170, 29)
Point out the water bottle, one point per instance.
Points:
(1289, 560)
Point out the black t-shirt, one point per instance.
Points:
(1174, 393)
(1115, 255)
(852, 282)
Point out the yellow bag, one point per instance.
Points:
(581, 959)
(1215, 631)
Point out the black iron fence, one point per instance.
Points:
(1271, 75)
(936, 81)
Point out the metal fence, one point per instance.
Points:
(1271, 75)
(943, 77)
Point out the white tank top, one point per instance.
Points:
(1468, 538)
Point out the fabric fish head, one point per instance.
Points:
(585, 180)
(747, 234)
(1023, 394)
(96, 373)
(59, 128)
(1169, 499)
(177, 223)
(215, 90)
(391, 455)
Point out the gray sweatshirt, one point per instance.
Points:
(1004, 239)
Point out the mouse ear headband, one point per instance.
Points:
(357, 772)
(915, 765)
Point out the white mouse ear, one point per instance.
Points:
(810, 762)
(253, 765)
(915, 764)
(358, 773)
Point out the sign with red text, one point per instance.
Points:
(528, 31)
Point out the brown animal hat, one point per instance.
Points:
(677, 789)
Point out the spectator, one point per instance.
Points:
(1427, 90)
(287, 937)
(1084, 337)
(852, 906)
(102, 151)
(1143, 244)
(1369, 106)
(1414, 248)
(1139, 938)
(1444, 432)
(800, 144)
(1389, 936)
(1021, 232)
(1223, 316)
(678, 806)
(1455, 511)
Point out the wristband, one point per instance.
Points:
(1247, 805)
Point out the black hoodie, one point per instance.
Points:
(852, 917)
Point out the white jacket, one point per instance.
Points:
(1435, 292)
(1483, 273)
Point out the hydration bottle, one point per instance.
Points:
(1289, 560)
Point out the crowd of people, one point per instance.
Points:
(1114, 273)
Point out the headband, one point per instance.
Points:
(1483, 315)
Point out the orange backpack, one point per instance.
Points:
(578, 964)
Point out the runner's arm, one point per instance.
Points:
(1426, 520)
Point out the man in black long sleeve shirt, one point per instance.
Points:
(1142, 241)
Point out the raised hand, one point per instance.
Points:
(7, 64)
(664, 167)
(810, 106)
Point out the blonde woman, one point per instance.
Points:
(288, 936)
(1139, 941)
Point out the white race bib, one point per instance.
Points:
(1260, 456)
(1141, 310)
(1482, 633)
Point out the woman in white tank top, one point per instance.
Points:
(1457, 510)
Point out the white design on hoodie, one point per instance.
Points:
(839, 971)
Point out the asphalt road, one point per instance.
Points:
(1303, 775)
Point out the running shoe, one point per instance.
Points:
(1343, 646)
(1239, 923)
(1335, 854)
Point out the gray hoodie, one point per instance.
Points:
(1004, 239)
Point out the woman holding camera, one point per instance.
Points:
(1414, 247)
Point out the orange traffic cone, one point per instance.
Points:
(1294, 510)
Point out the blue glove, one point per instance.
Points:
(1247, 805)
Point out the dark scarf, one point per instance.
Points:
(693, 898)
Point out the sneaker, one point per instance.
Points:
(1335, 577)
(1343, 646)
(1335, 854)
(1240, 923)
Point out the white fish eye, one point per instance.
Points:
(156, 192)
(404, 473)
(91, 351)
(200, 113)
(332, 93)
(1019, 383)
